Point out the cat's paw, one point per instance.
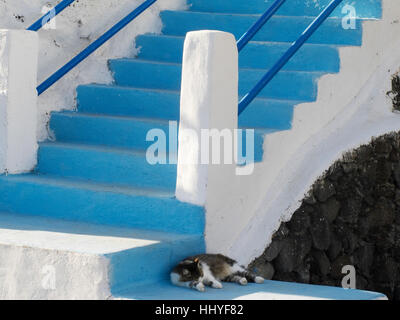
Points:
(259, 280)
(243, 281)
(217, 285)
(200, 287)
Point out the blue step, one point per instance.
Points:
(47, 196)
(121, 132)
(144, 265)
(278, 28)
(104, 165)
(147, 74)
(364, 8)
(105, 130)
(269, 290)
(127, 101)
(256, 55)
(268, 113)
(135, 256)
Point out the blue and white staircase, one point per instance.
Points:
(93, 192)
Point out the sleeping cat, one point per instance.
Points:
(209, 270)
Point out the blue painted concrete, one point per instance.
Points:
(365, 8)
(148, 74)
(128, 101)
(151, 264)
(96, 170)
(132, 253)
(275, 290)
(105, 130)
(164, 104)
(288, 85)
(268, 113)
(104, 165)
(152, 209)
(278, 28)
(256, 55)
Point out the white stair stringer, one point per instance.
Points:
(336, 91)
(351, 107)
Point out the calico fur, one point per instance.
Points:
(203, 270)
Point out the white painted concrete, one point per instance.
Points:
(75, 28)
(368, 115)
(39, 274)
(246, 216)
(208, 101)
(18, 100)
(44, 258)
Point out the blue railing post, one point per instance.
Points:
(248, 98)
(259, 24)
(50, 15)
(92, 47)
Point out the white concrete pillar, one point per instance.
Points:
(18, 100)
(209, 100)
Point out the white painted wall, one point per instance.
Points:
(76, 27)
(26, 273)
(18, 100)
(368, 115)
(350, 109)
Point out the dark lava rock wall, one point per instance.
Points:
(351, 216)
(394, 94)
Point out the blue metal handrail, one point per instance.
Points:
(248, 98)
(50, 15)
(93, 47)
(259, 24)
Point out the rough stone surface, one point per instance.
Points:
(395, 93)
(330, 209)
(301, 221)
(323, 190)
(264, 269)
(351, 216)
(320, 232)
(273, 250)
(287, 258)
(322, 265)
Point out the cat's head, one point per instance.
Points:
(189, 270)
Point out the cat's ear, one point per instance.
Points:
(196, 260)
